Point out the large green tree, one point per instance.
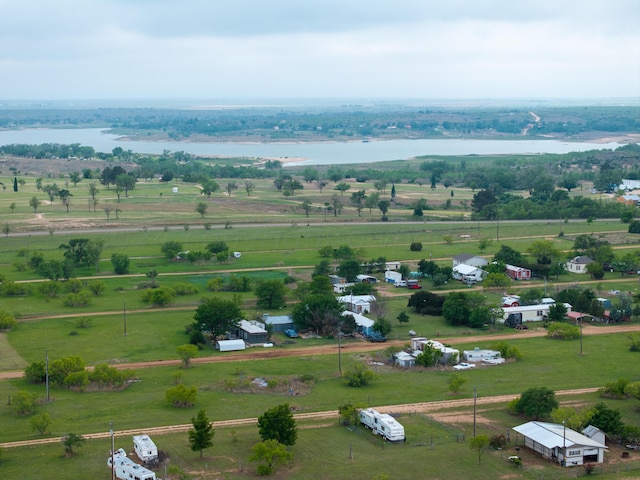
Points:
(201, 435)
(456, 309)
(278, 424)
(217, 316)
(320, 313)
(270, 294)
(536, 403)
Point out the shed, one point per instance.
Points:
(517, 273)
(404, 359)
(279, 323)
(366, 279)
(563, 445)
(230, 345)
(594, 433)
(579, 317)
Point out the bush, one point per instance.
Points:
(634, 227)
(415, 247)
(498, 441)
(81, 299)
(7, 321)
(185, 289)
(563, 331)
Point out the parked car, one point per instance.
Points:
(291, 333)
(401, 283)
(464, 366)
(376, 337)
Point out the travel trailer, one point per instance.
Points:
(382, 424)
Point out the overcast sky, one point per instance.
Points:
(224, 49)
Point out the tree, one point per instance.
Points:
(231, 186)
(7, 321)
(456, 382)
(120, 263)
(508, 256)
(201, 208)
(75, 178)
(536, 403)
(65, 196)
(382, 326)
(201, 435)
(456, 309)
(479, 443)
(125, 182)
(596, 270)
(606, 419)
(349, 269)
(34, 203)
(186, 353)
(429, 356)
(318, 312)
(496, 280)
(544, 251)
(306, 206)
(358, 198)
(272, 453)
(216, 316)
(41, 422)
(6, 229)
(171, 249)
(557, 312)
(209, 187)
(24, 403)
(403, 317)
(270, 294)
(182, 396)
(15, 184)
(12, 206)
(71, 441)
(426, 303)
(342, 187)
(249, 186)
(278, 424)
(359, 376)
(216, 247)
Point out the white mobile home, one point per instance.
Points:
(531, 313)
(468, 273)
(478, 355)
(382, 424)
(145, 449)
(357, 303)
(125, 469)
(448, 354)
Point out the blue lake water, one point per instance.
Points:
(323, 153)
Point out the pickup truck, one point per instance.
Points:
(400, 283)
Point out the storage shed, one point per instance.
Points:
(279, 323)
(230, 345)
(252, 332)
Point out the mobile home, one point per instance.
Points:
(382, 424)
(145, 449)
(531, 313)
(125, 469)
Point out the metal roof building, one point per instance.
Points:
(556, 442)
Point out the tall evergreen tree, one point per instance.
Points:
(201, 436)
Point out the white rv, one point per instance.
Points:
(126, 469)
(145, 449)
(382, 424)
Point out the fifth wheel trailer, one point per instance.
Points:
(125, 469)
(382, 424)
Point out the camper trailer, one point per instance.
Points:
(382, 424)
(145, 449)
(125, 469)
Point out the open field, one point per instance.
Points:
(277, 240)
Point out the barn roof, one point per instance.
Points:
(552, 435)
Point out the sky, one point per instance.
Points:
(240, 49)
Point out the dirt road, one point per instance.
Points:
(424, 407)
(259, 353)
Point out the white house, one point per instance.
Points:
(448, 354)
(468, 273)
(469, 259)
(578, 264)
(357, 303)
(561, 444)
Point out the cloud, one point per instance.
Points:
(201, 48)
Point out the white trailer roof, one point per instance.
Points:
(553, 435)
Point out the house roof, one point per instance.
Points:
(582, 260)
(463, 257)
(552, 435)
(516, 268)
(590, 431)
(357, 299)
(277, 319)
(361, 320)
(578, 315)
(251, 327)
(464, 269)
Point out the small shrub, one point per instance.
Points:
(415, 247)
(563, 331)
(498, 441)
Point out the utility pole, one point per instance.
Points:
(124, 317)
(46, 362)
(113, 471)
(475, 399)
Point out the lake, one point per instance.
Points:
(323, 153)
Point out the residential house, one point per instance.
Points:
(561, 444)
(468, 273)
(364, 324)
(578, 264)
(469, 259)
(629, 199)
(357, 303)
